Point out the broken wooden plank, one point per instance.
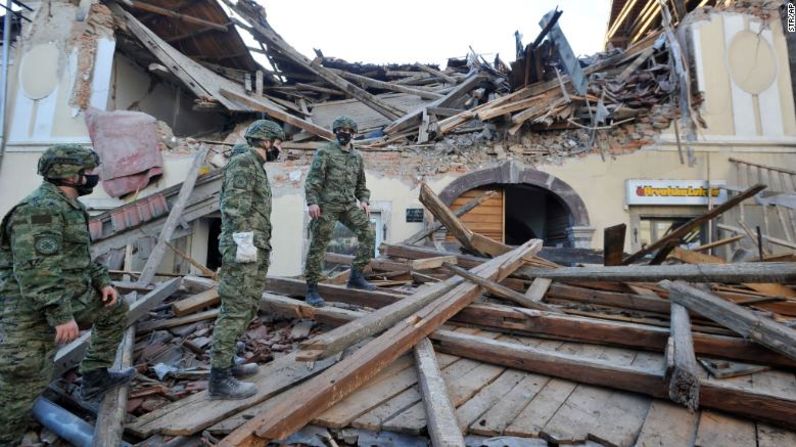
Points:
(434, 72)
(682, 369)
(193, 414)
(298, 288)
(614, 244)
(261, 106)
(412, 119)
(502, 291)
(69, 355)
(469, 239)
(175, 216)
(742, 272)
(459, 212)
(149, 326)
(112, 410)
(442, 427)
(303, 403)
(684, 229)
(196, 302)
(432, 263)
(667, 424)
(759, 406)
(762, 330)
(538, 288)
(375, 83)
(719, 243)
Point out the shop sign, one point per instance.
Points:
(674, 192)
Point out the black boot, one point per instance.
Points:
(223, 386)
(98, 381)
(358, 281)
(242, 369)
(313, 298)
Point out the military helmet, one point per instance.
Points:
(344, 121)
(264, 130)
(66, 160)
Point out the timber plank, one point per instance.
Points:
(717, 429)
(533, 418)
(497, 418)
(196, 302)
(538, 288)
(195, 413)
(439, 410)
(488, 397)
(668, 425)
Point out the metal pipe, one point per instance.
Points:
(4, 79)
(66, 425)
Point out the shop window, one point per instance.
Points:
(652, 229)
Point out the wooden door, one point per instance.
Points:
(487, 218)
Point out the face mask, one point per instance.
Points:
(88, 187)
(343, 137)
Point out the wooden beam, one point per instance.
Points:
(469, 239)
(189, 34)
(296, 407)
(69, 355)
(260, 106)
(298, 288)
(412, 118)
(141, 6)
(196, 302)
(434, 72)
(684, 229)
(682, 371)
(459, 212)
(154, 325)
(614, 244)
(746, 323)
(502, 291)
(780, 410)
(263, 31)
(538, 288)
(375, 83)
(626, 301)
(782, 272)
(113, 408)
(719, 243)
(559, 327)
(384, 318)
(175, 216)
(443, 429)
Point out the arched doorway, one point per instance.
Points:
(529, 204)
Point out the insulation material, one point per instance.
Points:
(127, 142)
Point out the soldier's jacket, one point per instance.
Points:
(44, 257)
(336, 177)
(239, 149)
(246, 200)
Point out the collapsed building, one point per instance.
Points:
(689, 108)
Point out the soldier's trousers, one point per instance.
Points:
(321, 229)
(27, 350)
(240, 288)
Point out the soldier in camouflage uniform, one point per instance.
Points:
(335, 182)
(245, 246)
(49, 287)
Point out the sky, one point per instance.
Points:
(428, 31)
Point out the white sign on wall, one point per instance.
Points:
(673, 192)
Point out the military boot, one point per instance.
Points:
(96, 382)
(313, 298)
(357, 281)
(223, 385)
(242, 369)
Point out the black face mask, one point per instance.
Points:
(272, 154)
(343, 137)
(88, 187)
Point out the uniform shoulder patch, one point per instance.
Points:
(41, 219)
(46, 244)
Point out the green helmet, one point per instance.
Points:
(264, 130)
(344, 121)
(66, 160)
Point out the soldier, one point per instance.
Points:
(49, 287)
(245, 246)
(335, 182)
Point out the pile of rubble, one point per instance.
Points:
(525, 351)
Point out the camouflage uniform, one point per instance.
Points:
(335, 182)
(47, 278)
(245, 207)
